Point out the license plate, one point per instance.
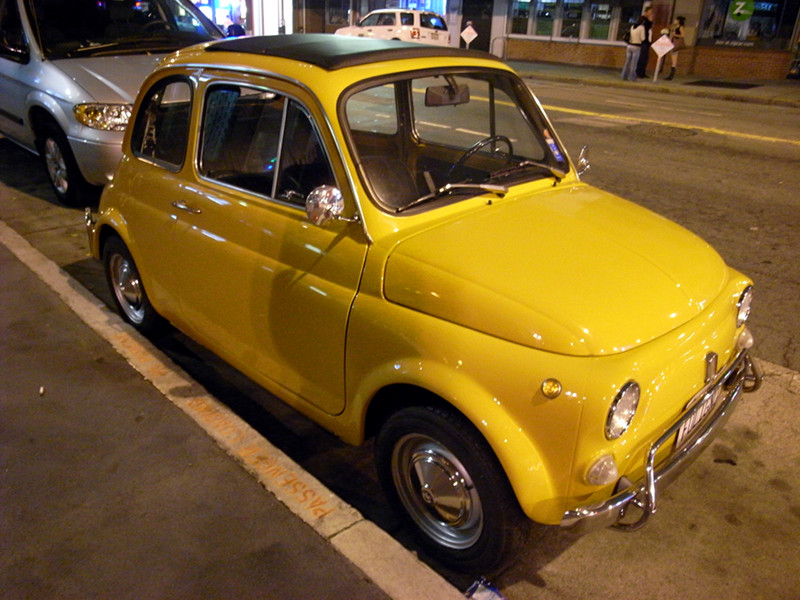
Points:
(706, 406)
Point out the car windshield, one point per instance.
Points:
(112, 27)
(427, 139)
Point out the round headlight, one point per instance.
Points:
(743, 306)
(622, 410)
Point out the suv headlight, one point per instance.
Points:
(743, 306)
(108, 117)
(622, 410)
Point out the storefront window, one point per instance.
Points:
(572, 18)
(571, 21)
(520, 15)
(748, 23)
(545, 16)
(600, 24)
(337, 12)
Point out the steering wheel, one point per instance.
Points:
(156, 25)
(480, 144)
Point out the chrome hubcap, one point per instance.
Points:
(56, 166)
(437, 491)
(127, 287)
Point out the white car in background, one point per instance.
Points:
(420, 26)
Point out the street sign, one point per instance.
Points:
(468, 35)
(741, 10)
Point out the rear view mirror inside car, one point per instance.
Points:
(446, 95)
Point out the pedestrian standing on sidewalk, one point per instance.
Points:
(644, 55)
(678, 43)
(634, 41)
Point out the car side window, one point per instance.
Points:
(13, 44)
(369, 21)
(432, 21)
(386, 20)
(407, 18)
(304, 164)
(242, 128)
(161, 130)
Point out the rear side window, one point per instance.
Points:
(407, 18)
(161, 129)
(432, 21)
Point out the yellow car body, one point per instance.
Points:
(524, 310)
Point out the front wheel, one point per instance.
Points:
(127, 288)
(65, 177)
(443, 477)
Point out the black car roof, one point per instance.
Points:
(332, 52)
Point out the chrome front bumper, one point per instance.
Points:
(740, 375)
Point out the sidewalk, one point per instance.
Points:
(783, 92)
(109, 490)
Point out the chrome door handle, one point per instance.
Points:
(187, 208)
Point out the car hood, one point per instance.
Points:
(110, 79)
(575, 271)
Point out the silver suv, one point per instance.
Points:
(70, 71)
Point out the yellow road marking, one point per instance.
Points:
(747, 136)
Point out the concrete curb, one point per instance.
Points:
(385, 561)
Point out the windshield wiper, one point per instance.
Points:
(557, 173)
(452, 188)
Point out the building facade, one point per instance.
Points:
(756, 39)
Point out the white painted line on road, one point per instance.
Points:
(400, 574)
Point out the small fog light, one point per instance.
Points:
(603, 471)
(622, 410)
(743, 306)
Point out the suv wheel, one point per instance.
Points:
(62, 168)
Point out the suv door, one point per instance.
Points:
(14, 56)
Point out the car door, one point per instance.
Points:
(259, 284)
(146, 180)
(14, 69)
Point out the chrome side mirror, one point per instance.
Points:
(583, 161)
(325, 204)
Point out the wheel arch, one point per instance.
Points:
(517, 454)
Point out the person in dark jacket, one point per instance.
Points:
(644, 54)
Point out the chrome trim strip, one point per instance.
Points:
(740, 375)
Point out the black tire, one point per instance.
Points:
(443, 477)
(62, 170)
(127, 289)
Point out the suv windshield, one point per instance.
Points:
(449, 136)
(111, 27)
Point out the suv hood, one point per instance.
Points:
(575, 271)
(110, 79)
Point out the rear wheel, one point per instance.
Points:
(127, 288)
(441, 474)
(65, 177)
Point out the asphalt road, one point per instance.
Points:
(728, 171)
(729, 527)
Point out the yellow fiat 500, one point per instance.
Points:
(391, 238)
